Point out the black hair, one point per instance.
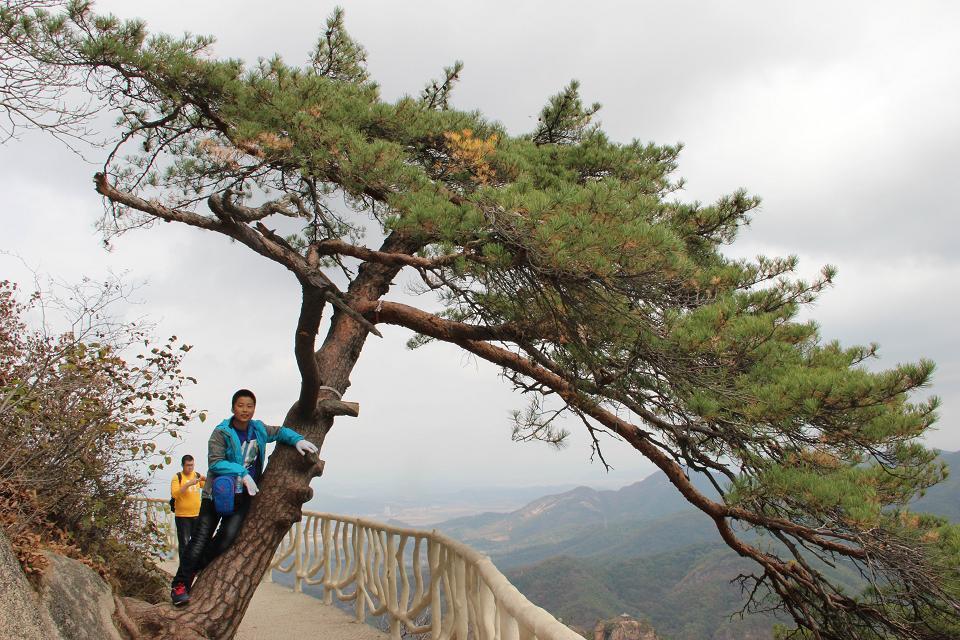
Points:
(185, 459)
(243, 393)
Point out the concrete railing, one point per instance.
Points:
(157, 511)
(422, 581)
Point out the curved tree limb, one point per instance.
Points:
(154, 208)
(253, 214)
(261, 240)
(782, 576)
(308, 324)
(462, 335)
(339, 247)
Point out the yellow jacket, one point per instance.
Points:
(187, 498)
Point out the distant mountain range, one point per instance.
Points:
(554, 521)
(422, 509)
(642, 550)
(684, 593)
(944, 499)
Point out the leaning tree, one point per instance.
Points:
(562, 257)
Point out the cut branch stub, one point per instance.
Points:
(339, 408)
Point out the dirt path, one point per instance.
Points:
(277, 612)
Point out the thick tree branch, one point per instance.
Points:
(339, 247)
(253, 214)
(153, 208)
(449, 331)
(343, 342)
(446, 330)
(311, 311)
(267, 243)
(261, 240)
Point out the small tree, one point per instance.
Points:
(560, 256)
(81, 411)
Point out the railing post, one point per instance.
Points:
(462, 607)
(361, 578)
(436, 613)
(298, 557)
(329, 579)
(393, 604)
(486, 611)
(508, 627)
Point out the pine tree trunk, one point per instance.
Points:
(223, 590)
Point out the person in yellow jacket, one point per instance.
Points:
(185, 490)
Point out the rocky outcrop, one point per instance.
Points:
(74, 603)
(21, 615)
(79, 602)
(624, 627)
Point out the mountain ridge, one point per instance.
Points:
(588, 554)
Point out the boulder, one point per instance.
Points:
(624, 627)
(78, 600)
(21, 615)
(73, 603)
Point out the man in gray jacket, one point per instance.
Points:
(235, 451)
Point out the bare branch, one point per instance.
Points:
(335, 246)
(440, 328)
(311, 311)
(154, 208)
(264, 242)
(250, 214)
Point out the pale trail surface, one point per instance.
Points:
(278, 612)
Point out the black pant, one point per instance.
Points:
(184, 531)
(204, 546)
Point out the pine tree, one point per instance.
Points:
(561, 256)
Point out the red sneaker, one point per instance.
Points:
(179, 594)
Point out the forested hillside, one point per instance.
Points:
(586, 555)
(685, 594)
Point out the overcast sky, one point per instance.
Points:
(842, 116)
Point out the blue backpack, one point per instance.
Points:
(223, 492)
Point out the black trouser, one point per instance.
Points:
(184, 531)
(204, 546)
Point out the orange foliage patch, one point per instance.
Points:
(220, 153)
(470, 154)
(273, 142)
(30, 534)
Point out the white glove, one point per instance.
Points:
(250, 485)
(305, 446)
